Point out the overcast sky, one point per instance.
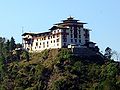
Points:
(102, 16)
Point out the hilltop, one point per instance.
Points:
(59, 69)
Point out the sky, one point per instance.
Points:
(102, 16)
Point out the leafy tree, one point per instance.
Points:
(25, 55)
(108, 53)
(77, 74)
(6, 48)
(116, 55)
(1, 61)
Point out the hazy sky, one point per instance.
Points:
(102, 16)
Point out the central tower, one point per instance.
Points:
(73, 32)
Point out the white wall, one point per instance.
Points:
(55, 44)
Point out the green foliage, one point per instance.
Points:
(25, 55)
(65, 82)
(77, 66)
(58, 70)
(6, 50)
(64, 54)
(108, 53)
(12, 44)
(2, 58)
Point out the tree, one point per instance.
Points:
(1, 59)
(108, 53)
(6, 48)
(2, 42)
(25, 55)
(116, 55)
(12, 44)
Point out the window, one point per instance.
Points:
(51, 41)
(58, 31)
(57, 35)
(28, 42)
(53, 36)
(64, 35)
(44, 38)
(64, 44)
(54, 32)
(71, 31)
(79, 36)
(47, 44)
(71, 40)
(75, 40)
(86, 34)
(40, 43)
(54, 41)
(43, 44)
(57, 44)
(57, 40)
(36, 43)
(64, 39)
(71, 36)
(48, 37)
(79, 41)
(39, 46)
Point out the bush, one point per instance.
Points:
(25, 55)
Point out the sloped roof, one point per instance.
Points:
(57, 27)
(37, 34)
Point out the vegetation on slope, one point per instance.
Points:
(58, 69)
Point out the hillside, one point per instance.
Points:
(58, 69)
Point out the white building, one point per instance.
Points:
(61, 35)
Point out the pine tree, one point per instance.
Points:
(12, 44)
(2, 41)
